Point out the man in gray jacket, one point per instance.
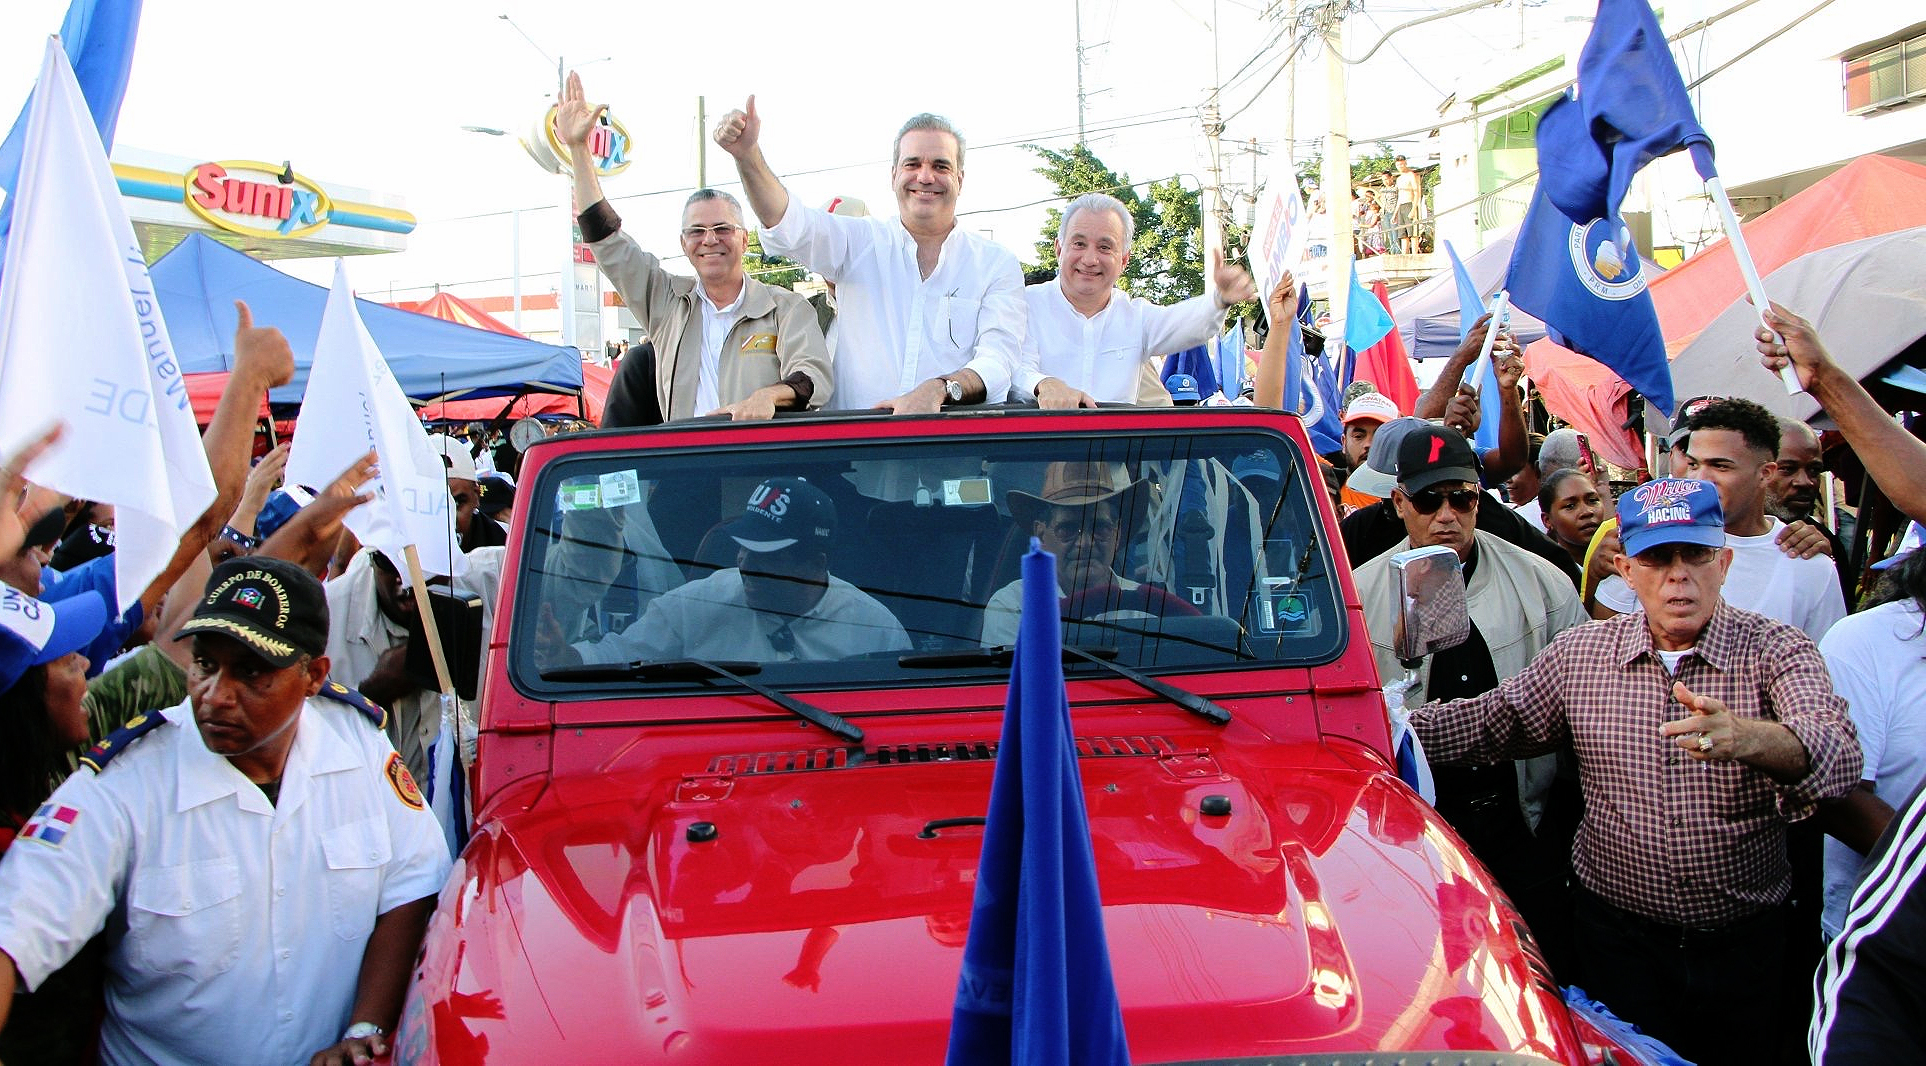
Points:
(724, 342)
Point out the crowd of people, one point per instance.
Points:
(1666, 735)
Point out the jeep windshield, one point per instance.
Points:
(844, 564)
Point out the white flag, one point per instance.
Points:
(82, 341)
(1279, 237)
(354, 403)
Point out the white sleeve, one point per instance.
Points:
(56, 891)
(1001, 326)
(1866, 702)
(1615, 594)
(418, 862)
(1828, 603)
(1188, 324)
(825, 243)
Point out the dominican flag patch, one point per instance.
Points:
(50, 824)
(249, 597)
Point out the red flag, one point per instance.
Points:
(1386, 364)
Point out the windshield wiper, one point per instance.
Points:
(1096, 654)
(704, 669)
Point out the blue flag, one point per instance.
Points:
(1036, 986)
(1323, 404)
(1632, 107)
(1197, 363)
(98, 36)
(1230, 360)
(1553, 276)
(1365, 319)
(1471, 304)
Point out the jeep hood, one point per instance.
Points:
(820, 912)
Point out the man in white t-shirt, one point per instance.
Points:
(1877, 659)
(1734, 444)
(928, 315)
(1088, 343)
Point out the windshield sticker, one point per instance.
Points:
(620, 488)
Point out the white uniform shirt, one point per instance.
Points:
(712, 619)
(1799, 592)
(896, 329)
(235, 928)
(1877, 660)
(1104, 354)
(716, 323)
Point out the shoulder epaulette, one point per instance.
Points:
(119, 740)
(340, 693)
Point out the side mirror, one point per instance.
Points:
(1433, 613)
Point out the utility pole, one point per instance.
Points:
(1337, 165)
(1076, 10)
(1213, 195)
(702, 143)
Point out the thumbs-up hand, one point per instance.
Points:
(1711, 733)
(739, 131)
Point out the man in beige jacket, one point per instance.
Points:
(724, 342)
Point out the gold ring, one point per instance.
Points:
(1705, 742)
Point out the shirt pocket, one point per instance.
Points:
(357, 854)
(953, 326)
(187, 919)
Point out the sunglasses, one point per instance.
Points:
(723, 231)
(1663, 556)
(1462, 501)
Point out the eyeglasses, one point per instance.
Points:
(1662, 556)
(1069, 531)
(1462, 501)
(722, 230)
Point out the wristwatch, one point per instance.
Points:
(363, 1031)
(952, 388)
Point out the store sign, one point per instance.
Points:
(608, 145)
(257, 199)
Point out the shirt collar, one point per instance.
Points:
(734, 305)
(204, 776)
(1064, 298)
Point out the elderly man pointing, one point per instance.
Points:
(1089, 343)
(1701, 730)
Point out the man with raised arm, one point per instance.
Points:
(929, 316)
(1087, 342)
(725, 343)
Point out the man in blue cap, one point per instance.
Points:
(1701, 730)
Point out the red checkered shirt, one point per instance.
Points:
(1689, 843)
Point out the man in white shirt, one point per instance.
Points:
(1734, 443)
(928, 315)
(779, 603)
(258, 859)
(1087, 343)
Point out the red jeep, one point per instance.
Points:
(711, 842)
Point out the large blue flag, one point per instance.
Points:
(1470, 307)
(1311, 389)
(1036, 987)
(1230, 360)
(1196, 362)
(1554, 277)
(98, 36)
(1631, 108)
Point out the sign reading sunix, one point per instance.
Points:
(247, 197)
(608, 144)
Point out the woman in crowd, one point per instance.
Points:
(1572, 509)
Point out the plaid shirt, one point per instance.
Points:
(1679, 841)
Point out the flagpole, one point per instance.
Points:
(1753, 286)
(424, 609)
(1499, 301)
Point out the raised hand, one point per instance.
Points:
(739, 131)
(1281, 307)
(1798, 345)
(261, 350)
(574, 116)
(1232, 282)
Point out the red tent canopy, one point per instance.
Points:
(204, 392)
(452, 308)
(1871, 195)
(595, 389)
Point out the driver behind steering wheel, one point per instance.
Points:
(1085, 514)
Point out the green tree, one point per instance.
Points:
(771, 269)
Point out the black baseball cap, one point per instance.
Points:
(273, 607)
(1434, 454)
(783, 511)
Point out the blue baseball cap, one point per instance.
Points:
(1260, 463)
(33, 632)
(1671, 510)
(1182, 387)
(783, 511)
(1907, 545)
